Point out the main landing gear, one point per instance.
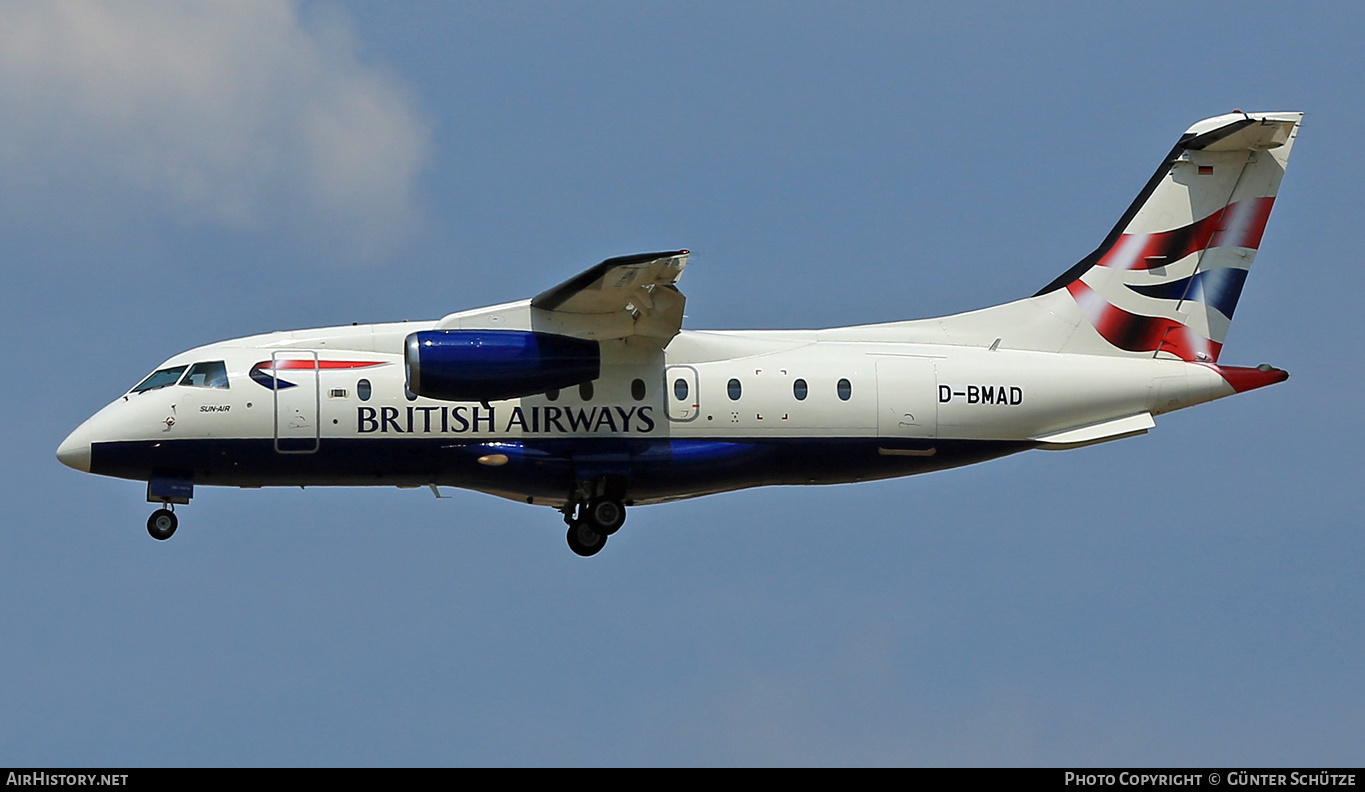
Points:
(601, 511)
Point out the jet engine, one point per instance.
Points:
(488, 365)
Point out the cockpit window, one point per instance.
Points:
(207, 375)
(160, 379)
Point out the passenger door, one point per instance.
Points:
(297, 401)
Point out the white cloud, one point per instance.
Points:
(245, 115)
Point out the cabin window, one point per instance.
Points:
(362, 389)
(409, 394)
(732, 387)
(799, 390)
(680, 389)
(637, 389)
(845, 389)
(585, 391)
(206, 375)
(552, 394)
(160, 379)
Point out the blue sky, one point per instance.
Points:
(173, 175)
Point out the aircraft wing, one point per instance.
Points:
(638, 290)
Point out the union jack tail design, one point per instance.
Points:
(1166, 279)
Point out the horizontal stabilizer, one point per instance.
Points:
(1241, 132)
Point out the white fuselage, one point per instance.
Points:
(712, 412)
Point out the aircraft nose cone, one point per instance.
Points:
(74, 452)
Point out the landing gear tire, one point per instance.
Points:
(585, 540)
(162, 524)
(606, 515)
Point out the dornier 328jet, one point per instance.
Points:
(590, 397)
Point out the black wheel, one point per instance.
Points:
(607, 515)
(585, 540)
(162, 524)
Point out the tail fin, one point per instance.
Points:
(1167, 277)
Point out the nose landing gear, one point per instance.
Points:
(162, 524)
(168, 492)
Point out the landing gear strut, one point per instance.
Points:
(601, 511)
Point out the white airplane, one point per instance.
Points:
(589, 397)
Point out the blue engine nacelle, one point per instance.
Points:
(487, 365)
